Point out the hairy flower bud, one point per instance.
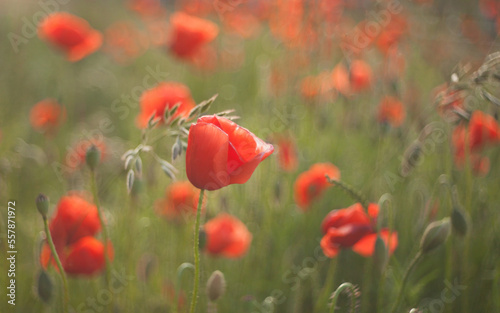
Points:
(216, 286)
(93, 156)
(42, 204)
(435, 235)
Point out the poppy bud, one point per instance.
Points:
(93, 156)
(435, 235)
(42, 204)
(216, 286)
(458, 221)
(44, 286)
(381, 255)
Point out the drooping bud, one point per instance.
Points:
(458, 221)
(381, 255)
(93, 156)
(435, 235)
(44, 286)
(42, 204)
(216, 286)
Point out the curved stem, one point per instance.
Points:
(353, 193)
(59, 265)
(93, 187)
(405, 279)
(337, 293)
(196, 249)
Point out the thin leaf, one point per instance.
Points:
(130, 180)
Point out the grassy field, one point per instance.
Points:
(286, 68)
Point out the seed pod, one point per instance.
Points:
(435, 235)
(93, 156)
(44, 286)
(42, 204)
(216, 286)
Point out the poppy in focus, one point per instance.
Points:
(221, 153)
(189, 34)
(181, 198)
(227, 236)
(47, 115)
(354, 228)
(71, 34)
(164, 96)
(310, 184)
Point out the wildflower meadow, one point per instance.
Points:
(251, 156)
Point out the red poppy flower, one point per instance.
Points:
(124, 42)
(353, 228)
(71, 34)
(227, 236)
(75, 223)
(287, 154)
(340, 79)
(391, 111)
(76, 156)
(47, 115)
(164, 96)
(221, 153)
(311, 183)
(181, 198)
(189, 34)
(361, 75)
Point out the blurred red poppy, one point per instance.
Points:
(71, 34)
(47, 115)
(147, 8)
(361, 75)
(164, 96)
(391, 111)
(181, 198)
(221, 153)
(310, 184)
(189, 34)
(75, 223)
(354, 228)
(227, 236)
(124, 42)
(287, 154)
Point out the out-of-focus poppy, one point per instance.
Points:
(76, 156)
(340, 79)
(391, 111)
(227, 236)
(147, 8)
(243, 23)
(310, 184)
(164, 96)
(220, 153)
(392, 33)
(181, 199)
(71, 34)
(361, 75)
(47, 115)
(354, 228)
(75, 223)
(124, 42)
(287, 153)
(189, 34)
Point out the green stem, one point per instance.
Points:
(59, 265)
(353, 193)
(337, 293)
(414, 262)
(93, 187)
(196, 249)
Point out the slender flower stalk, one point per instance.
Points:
(410, 268)
(196, 253)
(353, 193)
(59, 265)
